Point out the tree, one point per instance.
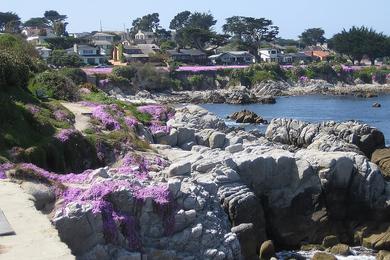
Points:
(53, 16)
(59, 29)
(249, 32)
(180, 20)
(38, 22)
(167, 45)
(312, 36)
(9, 22)
(57, 22)
(62, 42)
(360, 41)
(195, 30)
(146, 23)
(61, 58)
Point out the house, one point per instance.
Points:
(37, 36)
(319, 52)
(300, 57)
(193, 56)
(44, 52)
(135, 53)
(104, 41)
(89, 54)
(144, 37)
(233, 58)
(269, 54)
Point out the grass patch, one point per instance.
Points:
(102, 98)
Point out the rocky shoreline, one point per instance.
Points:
(263, 93)
(206, 191)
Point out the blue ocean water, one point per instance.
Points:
(316, 109)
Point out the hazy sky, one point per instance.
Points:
(292, 16)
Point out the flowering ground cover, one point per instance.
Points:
(83, 189)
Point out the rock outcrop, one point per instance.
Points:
(381, 157)
(246, 116)
(302, 134)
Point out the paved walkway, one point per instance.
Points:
(35, 238)
(79, 111)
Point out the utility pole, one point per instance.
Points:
(101, 27)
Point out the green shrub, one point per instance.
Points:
(51, 84)
(128, 72)
(295, 73)
(61, 58)
(196, 81)
(149, 78)
(13, 71)
(77, 75)
(365, 74)
(321, 70)
(119, 82)
(380, 76)
(257, 73)
(262, 75)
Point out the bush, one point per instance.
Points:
(61, 58)
(364, 76)
(257, 73)
(321, 70)
(13, 71)
(128, 72)
(119, 82)
(51, 84)
(77, 75)
(149, 78)
(295, 73)
(262, 75)
(380, 76)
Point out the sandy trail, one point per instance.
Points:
(35, 238)
(80, 111)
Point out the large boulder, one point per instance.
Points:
(302, 134)
(381, 157)
(246, 116)
(217, 140)
(185, 135)
(168, 139)
(42, 194)
(79, 227)
(196, 117)
(267, 250)
(245, 233)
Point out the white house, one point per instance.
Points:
(233, 58)
(104, 41)
(145, 37)
(89, 54)
(269, 55)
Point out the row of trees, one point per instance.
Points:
(196, 30)
(357, 42)
(11, 23)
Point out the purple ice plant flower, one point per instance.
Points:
(131, 121)
(100, 113)
(98, 195)
(303, 79)
(88, 104)
(158, 112)
(157, 127)
(33, 109)
(3, 168)
(65, 134)
(60, 115)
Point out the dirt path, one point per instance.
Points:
(35, 238)
(80, 111)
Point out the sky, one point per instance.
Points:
(292, 16)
